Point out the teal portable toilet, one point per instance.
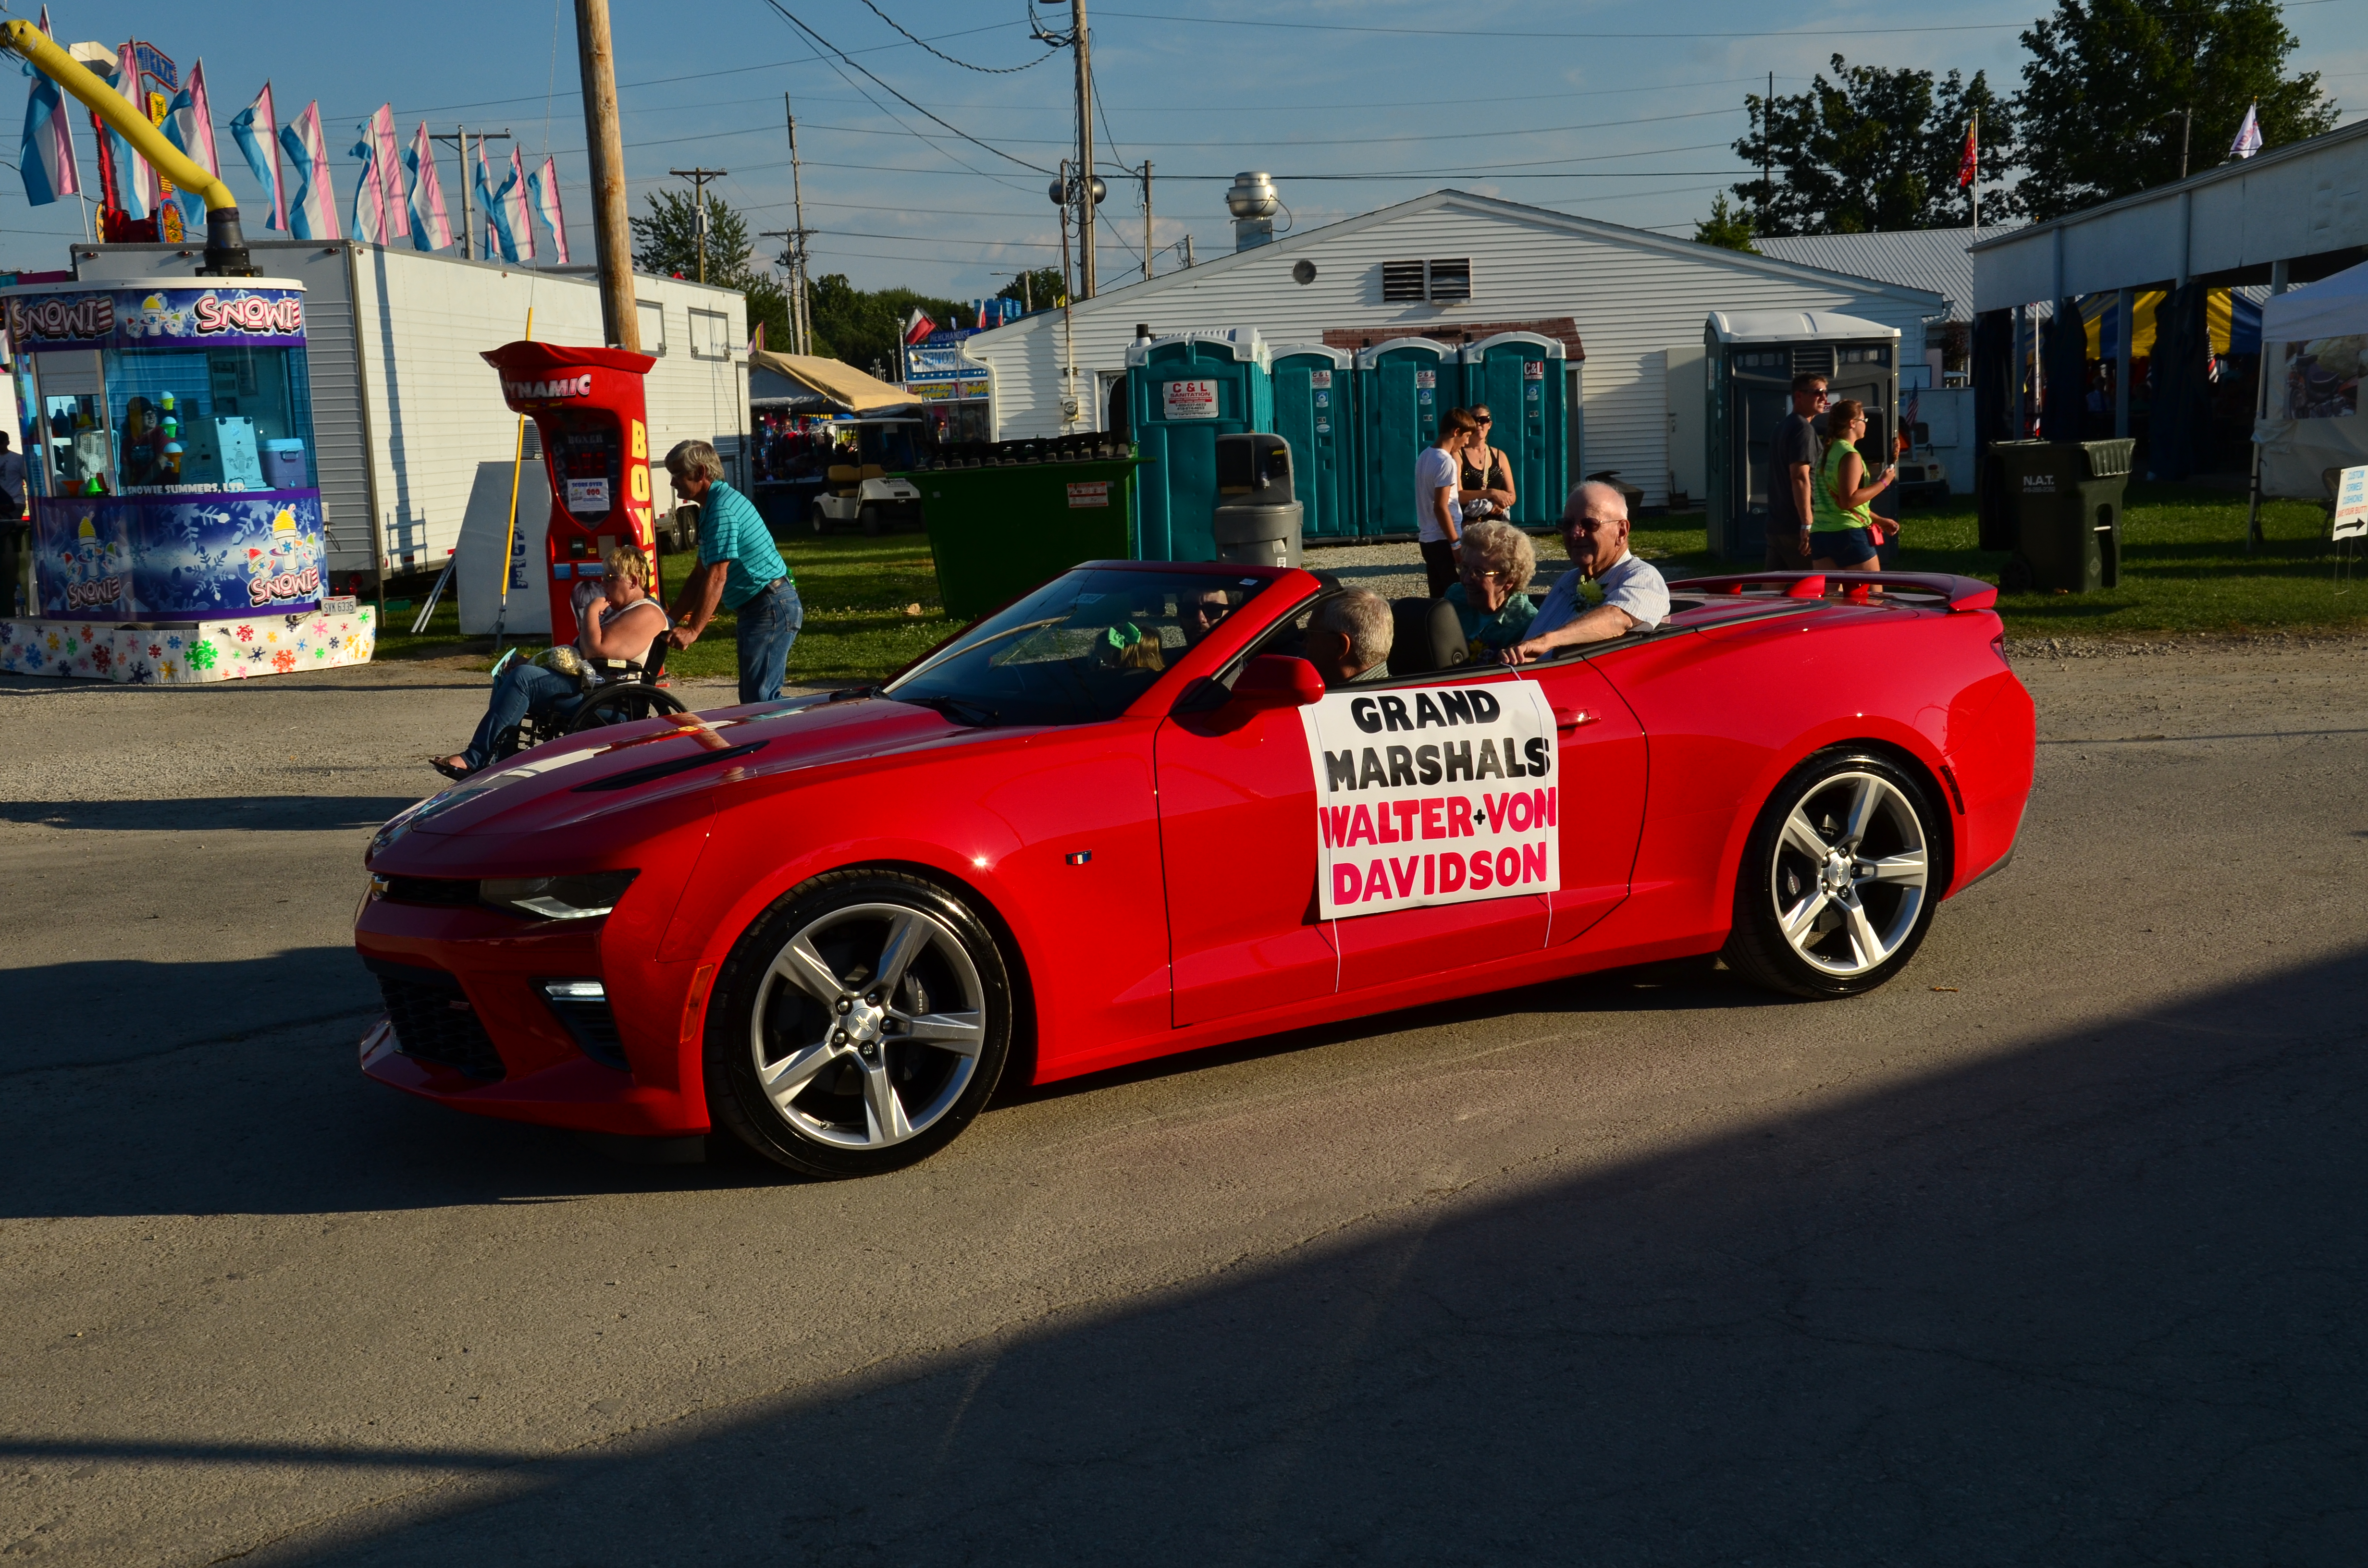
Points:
(1314, 411)
(1518, 375)
(1403, 386)
(1182, 393)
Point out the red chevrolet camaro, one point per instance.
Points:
(1122, 817)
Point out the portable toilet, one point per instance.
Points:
(1315, 412)
(1403, 386)
(1751, 358)
(1183, 391)
(1518, 375)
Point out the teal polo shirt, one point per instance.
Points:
(730, 528)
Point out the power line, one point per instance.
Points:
(981, 70)
(891, 92)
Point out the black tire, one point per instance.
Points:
(820, 518)
(1886, 866)
(869, 519)
(622, 705)
(837, 1060)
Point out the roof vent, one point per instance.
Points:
(1252, 202)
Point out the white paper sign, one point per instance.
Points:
(1435, 794)
(2351, 504)
(1533, 370)
(587, 495)
(1321, 381)
(1426, 377)
(1090, 493)
(1190, 400)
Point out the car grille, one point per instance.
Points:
(445, 892)
(434, 1021)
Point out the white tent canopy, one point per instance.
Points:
(2332, 307)
(2297, 453)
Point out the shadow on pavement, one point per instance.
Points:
(243, 813)
(2094, 1300)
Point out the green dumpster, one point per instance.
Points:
(2062, 502)
(999, 528)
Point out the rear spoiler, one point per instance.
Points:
(1955, 593)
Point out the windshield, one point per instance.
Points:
(1076, 651)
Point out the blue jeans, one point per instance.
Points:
(522, 688)
(767, 625)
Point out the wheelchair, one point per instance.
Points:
(615, 694)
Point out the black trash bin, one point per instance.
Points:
(2057, 506)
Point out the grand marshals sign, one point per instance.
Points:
(1433, 795)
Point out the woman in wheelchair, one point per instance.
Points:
(628, 622)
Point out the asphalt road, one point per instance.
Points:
(2052, 1252)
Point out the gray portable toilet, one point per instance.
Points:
(1315, 411)
(1183, 391)
(1403, 386)
(1518, 375)
(1750, 359)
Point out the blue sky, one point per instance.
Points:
(1622, 112)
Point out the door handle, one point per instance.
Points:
(1567, 719)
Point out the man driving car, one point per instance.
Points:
(1348, 639)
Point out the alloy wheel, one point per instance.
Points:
(1851, 873)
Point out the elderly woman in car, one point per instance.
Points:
(1494, 564)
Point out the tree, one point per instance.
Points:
(1873, 149)
(1042, 289)
(2106, 81)
(862, 327)
(1727, 227)
(666, 243)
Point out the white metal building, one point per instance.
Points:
(404, 410)
(1438, 265)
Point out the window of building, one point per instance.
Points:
(710, 335)
(651, 316)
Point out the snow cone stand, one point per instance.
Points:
(175, 517)
(171, 481)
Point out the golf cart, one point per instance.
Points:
(863, 491)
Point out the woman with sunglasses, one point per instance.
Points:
(1486, 481)
(1493, 563)
(1843, 532)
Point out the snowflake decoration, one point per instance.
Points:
(283, 661)
(201, 655)
(156, 653)
(168, 669)
(247, 633)
(174, 641)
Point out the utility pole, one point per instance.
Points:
(1084, 150)
(612, 233)
(1767, 148)
(1064, 186)
(798, 209)
(2186, 134)
(1975, 185)
(1187, 253)
(1147, 219)
(699, 179)
(460, 140)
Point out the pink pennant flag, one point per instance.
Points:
(543, 185)
(513, 208)
(135, 182)
(431, 227)
(313, 214)
(256, 129)
(388, 166)
(49, 150)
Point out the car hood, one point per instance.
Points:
(578, 779)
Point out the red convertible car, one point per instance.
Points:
(1121, 817)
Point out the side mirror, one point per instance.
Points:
(1275, 680)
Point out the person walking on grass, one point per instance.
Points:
(1843, 529)
(739, 570)
(1792, 475)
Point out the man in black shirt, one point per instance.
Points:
(15, 528)
(1792, 460)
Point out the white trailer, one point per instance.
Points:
(404, 411)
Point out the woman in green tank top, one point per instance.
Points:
(1840, 532)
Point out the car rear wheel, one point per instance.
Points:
(1840, 878)
(859, 1026)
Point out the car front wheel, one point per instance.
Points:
(859, 1026)
(1840, 878)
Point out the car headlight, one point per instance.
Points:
(578, 897)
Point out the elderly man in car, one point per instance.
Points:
(1595, 535)
(1348, 639)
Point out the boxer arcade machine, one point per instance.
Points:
(586, 406)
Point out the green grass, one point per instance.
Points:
(2183, 567)
(856, 591)
(2183, 570)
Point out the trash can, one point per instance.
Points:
(1315, 412)
(1184, 392)
(2061, 501)
(1005, 516)
(1403, 386)
(1518, 375)
(1258, 519)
